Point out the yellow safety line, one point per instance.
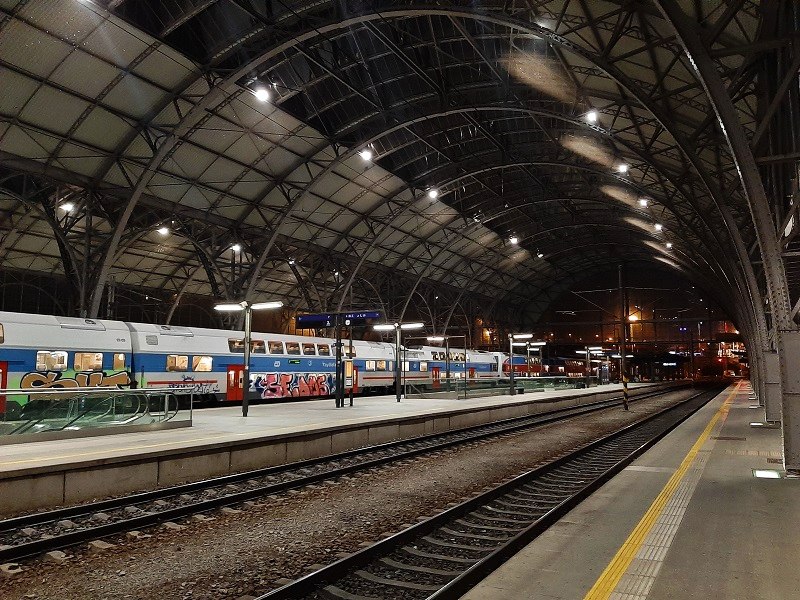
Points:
(607, 582)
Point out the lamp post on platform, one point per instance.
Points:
(446, 339)
(511, 338)
(590, 350)
(248, 308)
(398, 328)
(538, 345)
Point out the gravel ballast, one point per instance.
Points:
(244, 554)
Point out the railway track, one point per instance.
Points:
(36, 533)
(444, 556)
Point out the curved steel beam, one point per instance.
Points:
(217, 94)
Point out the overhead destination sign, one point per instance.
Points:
(329, 319)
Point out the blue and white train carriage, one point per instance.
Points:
(43, 351)
(209, 362)
(470, 364)
(40, 351)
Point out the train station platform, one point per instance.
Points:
(57, 472)
(688, 519)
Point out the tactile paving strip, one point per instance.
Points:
(642, 572)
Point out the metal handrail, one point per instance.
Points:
(61, 390)
(79, 404)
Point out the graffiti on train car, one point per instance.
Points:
(294, 385)
(189, 384)
(55, 379)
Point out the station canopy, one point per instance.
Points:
(317, 151)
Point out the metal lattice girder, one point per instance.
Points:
(169, 131)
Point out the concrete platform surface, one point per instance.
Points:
(225, 425)
(221, 442)
(686, 520)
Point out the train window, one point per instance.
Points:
(201, 363)
(292, 347)
(257, 347)
(275, 347)
(309, 350)
(423, 366)
(2, 334)
(51, 361)
(348, 352)
(177, 362)
(369, 365)
(88, 361)
(324, 349)
(381, 365)
(119, 361)
(236, 346)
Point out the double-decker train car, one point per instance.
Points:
(209, 363)
(470, 364)
(41, 351)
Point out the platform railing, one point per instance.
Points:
(67, 412)
(463, 388)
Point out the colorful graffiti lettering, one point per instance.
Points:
(190, 385)
(294, 385)
(54, 379)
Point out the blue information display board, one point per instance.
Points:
(329, 319)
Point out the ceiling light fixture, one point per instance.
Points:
(67, 206)
(261, 94)
(643, 202)
(591, 116)
(366, 154)
(433, 193)
(514, 240)
(163, 230)
(622, 168)
(236, 247)
(659, 227)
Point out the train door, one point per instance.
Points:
(236, 383)
(436, 373)
(3, 385)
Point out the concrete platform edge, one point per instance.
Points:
(48, 486)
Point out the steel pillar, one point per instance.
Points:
(787, 336)
(772, 387)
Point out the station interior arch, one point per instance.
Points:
(450, 160)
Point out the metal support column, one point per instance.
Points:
(623, 346)
(787, 335)
(447, 361)
(248, 334)
(511, 364)
(398, 364)
(339, 392)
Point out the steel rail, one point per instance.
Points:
(538, 499)
(15, 544)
